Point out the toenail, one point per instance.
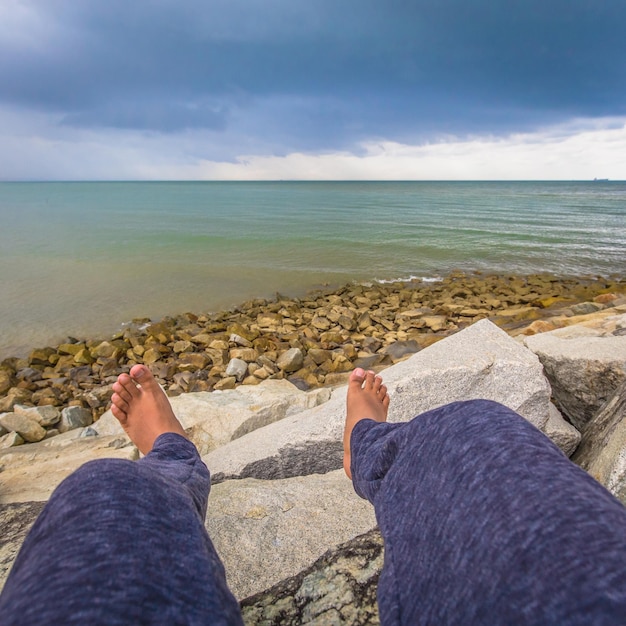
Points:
(359, 373)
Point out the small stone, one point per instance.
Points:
(45, 416)
(105, 350)
(249, 355)
(584, 308)
(240, 341)
(74, 417)
(291, 360)
(28, 428)
(400, 349)
(193, 361)
(225, 383)
(605, 298)
(70, 348)
(6, 381)
(237, 368)
(151, 356)
(10, 439)
(83, 357)
(182, 346)
(435, 322)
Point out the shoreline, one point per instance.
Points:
(313, 340)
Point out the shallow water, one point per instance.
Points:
(82, 258)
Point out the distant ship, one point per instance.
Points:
(600, 180)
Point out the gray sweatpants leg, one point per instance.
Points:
(485, 521)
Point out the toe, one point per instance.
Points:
(143, 376)
(382, 392)
(370, 377)
(125, 382)
(123, 392)
(119, 402)
(356, 378)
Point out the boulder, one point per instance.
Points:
(32, 472)
(602, 451)
(584, 364)
(264, 530)
(481, 361)
(339, 588)
(25, 426)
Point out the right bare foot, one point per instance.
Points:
(142, 408)
(367, 398)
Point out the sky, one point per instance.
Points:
(312, 89)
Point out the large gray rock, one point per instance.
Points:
(15, 522)
(32, 472)
(212, 419)
(338, 589)
(602, 451)
(482, 361)
(25, 426)
(584, 364)
(265, 531)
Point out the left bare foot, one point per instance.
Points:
(142, 408)
(367, 398)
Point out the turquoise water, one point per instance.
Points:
(82, 258)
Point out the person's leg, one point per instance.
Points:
(484, 520)
(123, 542)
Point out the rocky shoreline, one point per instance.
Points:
(313, 341)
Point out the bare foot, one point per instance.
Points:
(367, 398)
(142, 408)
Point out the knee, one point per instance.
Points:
(479, 419)
(98, 475)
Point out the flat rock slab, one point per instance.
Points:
(266, 531)
(212, 419)
(481, 361)
(585, 364)
(33, 471)
(15, 521)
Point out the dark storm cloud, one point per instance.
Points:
(316, 73)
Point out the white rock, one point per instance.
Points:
(481, 361)
(32, 472)
(265, 531)
(237, 368)
(212, 419)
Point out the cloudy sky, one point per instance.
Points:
(312, 89)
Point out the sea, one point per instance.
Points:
(81, 259)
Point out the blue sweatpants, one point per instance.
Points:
(484, 522)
